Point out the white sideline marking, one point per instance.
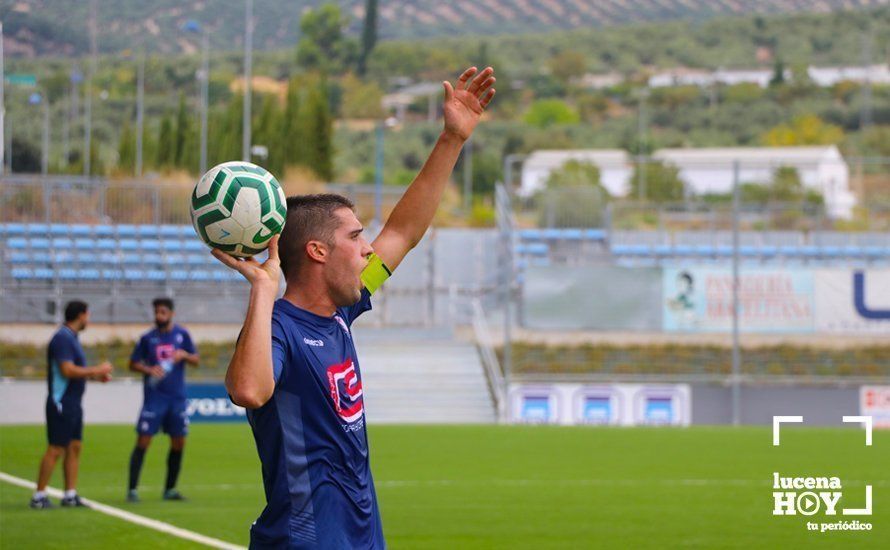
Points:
(130, 517)
(777, 421)
(867, 420)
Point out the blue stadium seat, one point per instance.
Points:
(108, 257)
(55, 230)
(152, 258)
(21, 273)
(39, 243)
(112, 274)
(200, 275)
(187, 231)
(63, 243)
(595, 234)
(19, 257)
(134, 274)
(130, 258)
(147, 231)
(174, 259)
(87, 257)
(105, 244)
(63, 256)
(529, 234)
(67, 273)
(684, 250)
(88, 274)
(14, 229)
(103, 231)
(193, 244)
(80, 230)
(156, 275)
(169, 231)
(43, 273)
(84, 244)
(150, 244)
(17, 242)
(195, 259)
(128, 244)
(179, 275)
(126, 230)
(168, 244)
(572, 234)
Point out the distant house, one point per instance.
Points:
(710, 170)
(829, 76)
(820, 168)
(614, 165)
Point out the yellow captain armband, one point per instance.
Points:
(375, 273)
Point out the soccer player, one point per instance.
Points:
(295, 366)
(161, 356)
(66, 376)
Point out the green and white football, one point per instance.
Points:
(238, 207)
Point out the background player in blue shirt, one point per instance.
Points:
(161, 355)
(295, 367)
(66, 376)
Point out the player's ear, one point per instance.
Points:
(317, 251)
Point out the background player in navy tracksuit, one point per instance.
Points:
(66, 376)
(161, 355)
(295, 367)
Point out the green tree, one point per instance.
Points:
(166, 148)
(292, 138)
(548, 112)
(574, 173)
(567, 64)
(661, 182)
(180, 134)
(126, 149)
(267, 132)
(369, 35)
(316, 124)
(323, 44)
(361, 99)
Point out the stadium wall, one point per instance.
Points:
(22, 402)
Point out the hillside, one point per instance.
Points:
(50, 27)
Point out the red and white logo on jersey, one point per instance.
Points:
(346, 390)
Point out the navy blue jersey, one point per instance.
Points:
(157, 348)
(64, 346)
(311, 437)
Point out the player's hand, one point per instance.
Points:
(157, 371)
(105, 368)
(105, 378)
(180, 355)
(259, 275)
(465, 102)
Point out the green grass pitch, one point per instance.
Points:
(482, 487)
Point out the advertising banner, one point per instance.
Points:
(601, 404)
(874, 401)
(211, 403)
(853, 301)
(771, 300)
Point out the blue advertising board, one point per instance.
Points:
(211, 403)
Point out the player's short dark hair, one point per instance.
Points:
(163, 301)
(309, 218)
(74, 309)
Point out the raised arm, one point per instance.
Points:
(414, 212)
(249, 378)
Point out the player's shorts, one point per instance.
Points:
(169, 415)
(63, 424)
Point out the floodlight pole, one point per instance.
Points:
(248, 61)
(2, 102)
(378, 175)
(88, 92)
(140, 111)
(736, 355)
(205, 83)
(44, 157)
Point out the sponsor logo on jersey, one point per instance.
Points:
(346, 390)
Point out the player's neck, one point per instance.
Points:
(72, 327)
(310, 300)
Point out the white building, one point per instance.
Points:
(614, 165)
(829, 76)
(820, 168)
